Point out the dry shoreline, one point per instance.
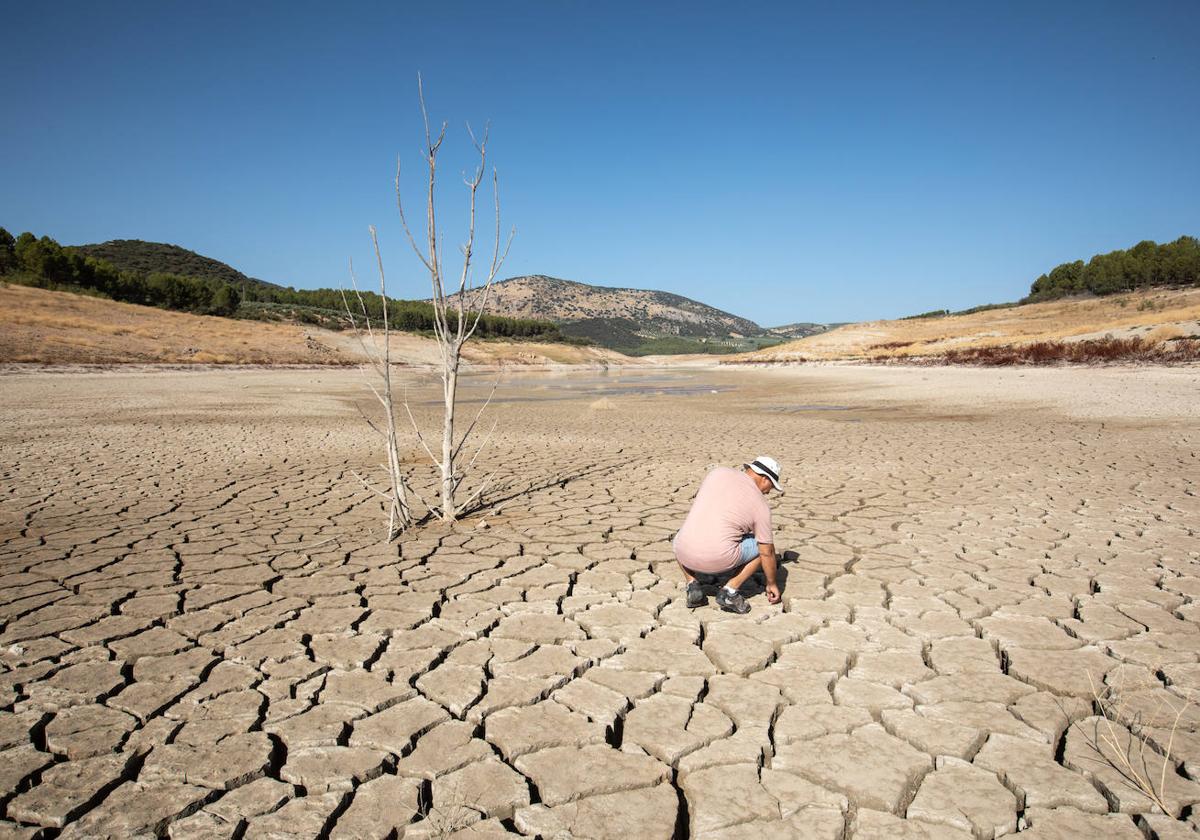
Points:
(1144, 390)
(1155, 315)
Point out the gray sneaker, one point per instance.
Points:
(695, 595)
(732, 601)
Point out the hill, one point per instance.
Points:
(1162, 316)
(42, 326)
(217, 289)
(632, 321)
(628, 319)
(146, 258)
(802, 329)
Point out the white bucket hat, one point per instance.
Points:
(768, 466)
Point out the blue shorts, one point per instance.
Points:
(749, 549)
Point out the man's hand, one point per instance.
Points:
(773, 595)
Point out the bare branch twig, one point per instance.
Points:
(467, 434)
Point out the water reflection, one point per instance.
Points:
(539, 386)
(792, 409)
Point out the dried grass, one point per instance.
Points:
(50, 327)
(1165, 333)
(38, 326)
(203, 357)
(1132, 755)
(1107, 350)
(1039, 322)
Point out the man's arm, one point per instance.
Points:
(766, 556)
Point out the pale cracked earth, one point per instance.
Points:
(201, 634)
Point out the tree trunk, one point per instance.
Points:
(449, 390)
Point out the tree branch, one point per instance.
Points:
(417, 430)
(498, 258)
(463, 441)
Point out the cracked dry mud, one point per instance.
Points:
(201, 634)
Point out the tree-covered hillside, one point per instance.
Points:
(1145, 264)
(43, 263)
(146, 258)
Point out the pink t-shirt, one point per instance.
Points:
(728, 506)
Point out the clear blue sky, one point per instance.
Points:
(782, 161)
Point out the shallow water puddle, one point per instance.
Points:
(538, 387)
(792, 409)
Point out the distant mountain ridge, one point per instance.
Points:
(621, 315)
(636, 321)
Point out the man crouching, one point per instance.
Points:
(729, 526)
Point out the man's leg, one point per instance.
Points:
(687, 575)
(728, 597)
(748, 559)
(744, 573)
(751, 557)
(748, 548)
(754, 557)
(695, 595)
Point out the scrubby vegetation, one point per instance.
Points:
(1091, 351)
(674, 346)
(1145, 264)
(946, 313)
(217, 289)
(985, 307)
(933, 313)
(632, 338)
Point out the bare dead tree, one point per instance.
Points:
(378, 364)
(456, 315)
